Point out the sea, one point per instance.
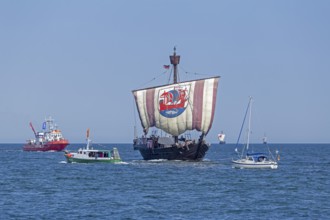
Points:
(41, 185)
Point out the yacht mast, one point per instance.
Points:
(249, 126)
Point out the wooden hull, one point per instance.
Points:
(194, 152)
(49, 146)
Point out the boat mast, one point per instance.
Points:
(50, 124)
(87, 139)
(175, 60)
(249, 126)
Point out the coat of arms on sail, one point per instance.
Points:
(173, 100)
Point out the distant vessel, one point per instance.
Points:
(264, 139)
(176, 108)
(49, 139)
(252, 159)
(90, 155)
(221, 138)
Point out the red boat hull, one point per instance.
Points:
(49, 146)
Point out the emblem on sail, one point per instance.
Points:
(173, 101)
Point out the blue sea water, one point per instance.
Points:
(41, 185)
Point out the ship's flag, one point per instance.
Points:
(166, 67)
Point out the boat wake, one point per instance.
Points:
(157, 160)
(121, 162)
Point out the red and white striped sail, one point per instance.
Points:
(179, 107)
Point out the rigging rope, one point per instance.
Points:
(240, 132)
(156, 77)
(191, 73)
(170, 76)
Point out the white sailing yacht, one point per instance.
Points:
(255, 160)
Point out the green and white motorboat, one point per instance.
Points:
(90, 155)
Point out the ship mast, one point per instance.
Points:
(175, 60)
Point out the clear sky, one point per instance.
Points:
(79, 60)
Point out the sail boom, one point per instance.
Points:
(154, 87)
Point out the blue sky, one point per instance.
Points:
(79, 60)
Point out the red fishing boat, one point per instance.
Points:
(49, 139)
